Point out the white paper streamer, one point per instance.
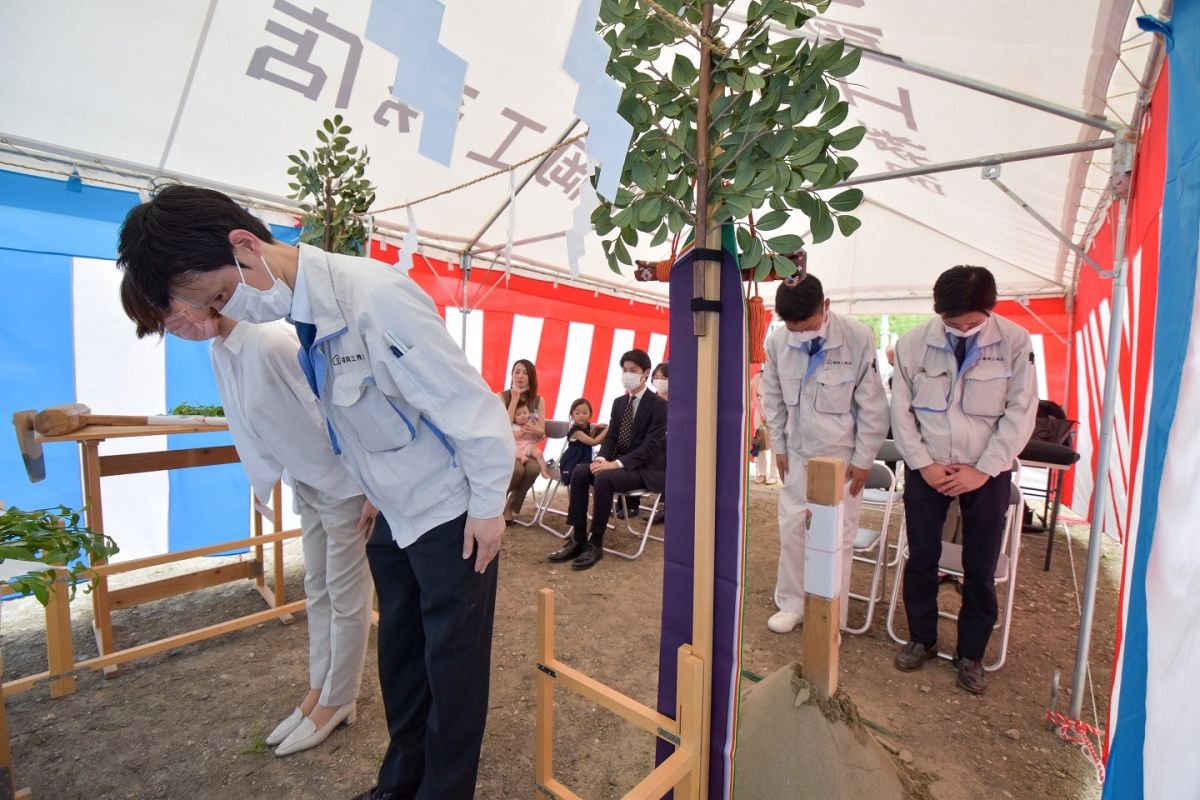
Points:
(512, 224)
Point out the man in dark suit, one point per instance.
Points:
(632, 456)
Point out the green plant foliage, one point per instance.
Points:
(773, 127)
(50, 536)
(188, 410)
(334, 195)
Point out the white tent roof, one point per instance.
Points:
(204, 91)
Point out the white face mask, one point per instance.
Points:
(660, 385)
(803, 337)
(631, 380)
(967, 334)
(248, 304)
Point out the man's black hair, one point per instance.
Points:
(638, 357)
(963, 289)
(183, 230)
(801, 301)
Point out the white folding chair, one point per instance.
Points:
(889, 454)
(951, 564)
(554, 430)
(870, 544)
(645, 533)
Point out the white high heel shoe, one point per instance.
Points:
(307, 735)
(284, 728)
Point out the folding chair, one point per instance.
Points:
(645, 533)
(554, 430)
(889, 454)
(951, 564)
(870, 545)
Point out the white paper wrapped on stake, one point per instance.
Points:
(822, 573)
(825, 528)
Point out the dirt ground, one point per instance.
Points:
(188, 724)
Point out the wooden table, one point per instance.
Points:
(105, 600)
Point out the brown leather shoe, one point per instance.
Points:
(913, 656)
(971, 676)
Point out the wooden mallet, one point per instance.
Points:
(31, 448)
(70, 417)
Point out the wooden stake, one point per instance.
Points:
(822, 615)
(60, 654)
(543, 752)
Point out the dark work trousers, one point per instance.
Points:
(607, 483)
(983, 512)
(435, 648)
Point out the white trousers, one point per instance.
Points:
(337, 584)
(764, 465)
(793, 508)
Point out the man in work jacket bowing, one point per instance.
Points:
(823, 397)
(419, 430)
(964, 404)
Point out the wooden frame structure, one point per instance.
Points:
(681, 771)
(61, 662)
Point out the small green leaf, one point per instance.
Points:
(772, 220)
(660, 236)
(328, 126)
(847, 200)
(683, 71)
(787, 243)
(846, 64)
(848, 225)
(849, 138)
(805, 151)
(822, 224)
(834, 116)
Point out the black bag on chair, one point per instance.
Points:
(1052, 426)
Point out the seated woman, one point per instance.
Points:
(523, 388)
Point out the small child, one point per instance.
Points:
(582, 437)
(527, 443)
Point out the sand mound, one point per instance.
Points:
(793, 746)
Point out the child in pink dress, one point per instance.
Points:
(527, 443)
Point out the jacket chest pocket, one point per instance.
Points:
(791, 383)
(379, 425)
(931, 390)
(834, 391)
(985, 391)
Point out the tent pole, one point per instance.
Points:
(464, 264)
(993, 174)
(1093, 120)
(1123, 165)
(524, 182)
(982, 161)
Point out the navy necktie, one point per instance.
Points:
(814, 346)
(960, 350)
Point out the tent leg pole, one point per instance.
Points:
(464, 263)
(1100, 495)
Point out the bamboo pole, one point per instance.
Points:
(706, 326)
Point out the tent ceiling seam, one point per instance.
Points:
(187, 84)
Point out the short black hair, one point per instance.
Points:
(661, 368)
(963, 289)
(182, 230)
(147, 319)
(638, 357)
(796, 302)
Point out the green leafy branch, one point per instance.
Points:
(334, 195)
(51, 536)
(774, 128)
